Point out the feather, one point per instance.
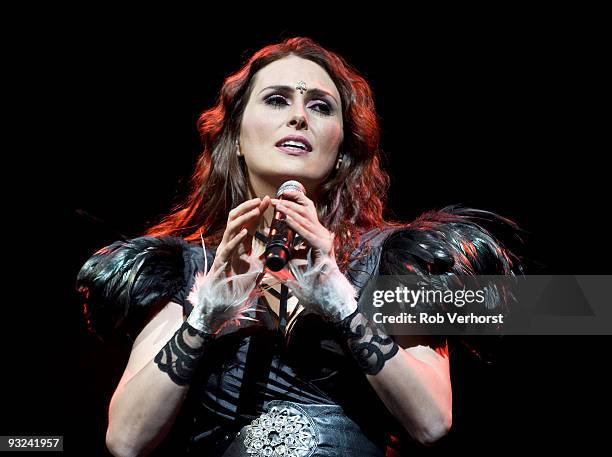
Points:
(220, 300)
(126, 280)
(441, 246)
(322, 288)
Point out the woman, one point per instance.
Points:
(212, 345)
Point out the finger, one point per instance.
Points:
(294, 196)
(302, 219)
(229, 247)
(265, 202)
(255, 222)
(235, 213)
(299, 208)
(298, 197)
(303, 231)
(237, 224)
(263, 205)
(243, 207)
(252, 222)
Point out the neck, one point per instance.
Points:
(258, 188)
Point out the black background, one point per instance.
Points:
(504, 115)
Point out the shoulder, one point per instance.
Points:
(125, 282)
(455, 239)
(364, 260)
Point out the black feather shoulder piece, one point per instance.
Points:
(127, 281)
(443, 245)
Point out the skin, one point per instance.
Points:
(272, 114)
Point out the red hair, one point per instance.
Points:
(353, 197)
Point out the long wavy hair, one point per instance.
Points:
(352, 199)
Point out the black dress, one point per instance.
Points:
(308, 375)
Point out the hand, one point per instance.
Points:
(224, 294)
(321, 286)
(302, 217)
(234, 252)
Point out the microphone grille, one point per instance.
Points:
(290, 185)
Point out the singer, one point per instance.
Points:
(238, 358)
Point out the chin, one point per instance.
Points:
(277, 177)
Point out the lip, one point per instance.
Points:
(295, 152)
(292, 152)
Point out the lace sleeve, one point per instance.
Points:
(180, 357)
(370, 346)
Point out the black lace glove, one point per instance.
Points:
(370, 346)
(179, 358)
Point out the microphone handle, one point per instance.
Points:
(280, 239)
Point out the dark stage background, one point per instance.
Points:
(498, 118)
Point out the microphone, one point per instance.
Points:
(280, 238)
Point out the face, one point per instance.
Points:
(287, 133)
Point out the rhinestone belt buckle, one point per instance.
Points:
(285, 430)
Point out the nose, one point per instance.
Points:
(298, 120)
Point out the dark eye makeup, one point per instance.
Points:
(278, 101)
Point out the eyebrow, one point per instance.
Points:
(315, 91)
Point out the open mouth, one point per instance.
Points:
(293, 150)
(294, 145)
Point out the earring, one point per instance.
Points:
(339, 161)
(238, 149)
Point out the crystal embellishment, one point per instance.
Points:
(301, 86)
(284, 431)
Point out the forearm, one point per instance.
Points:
(143, 409)
(417, 393)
